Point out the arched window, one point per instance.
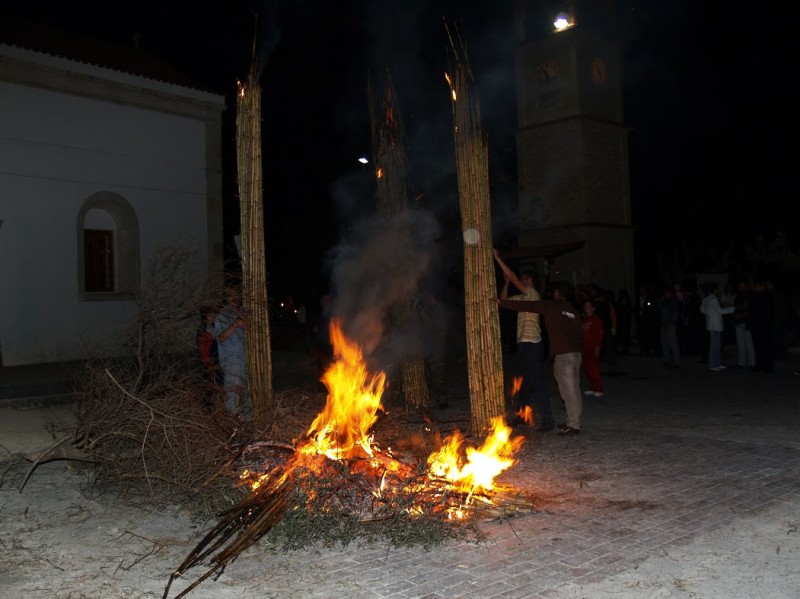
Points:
(108, 248)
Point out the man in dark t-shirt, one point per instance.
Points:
(562, 320)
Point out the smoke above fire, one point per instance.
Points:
(267, 34)
(380, 263)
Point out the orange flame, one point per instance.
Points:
(482, 465)
(342, 431)
(450, 83)
(516, 385)
(354, 398)
(526, 413)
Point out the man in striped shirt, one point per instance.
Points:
(530, 348)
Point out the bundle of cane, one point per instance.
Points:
(238, 528)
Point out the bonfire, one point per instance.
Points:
(455, 483)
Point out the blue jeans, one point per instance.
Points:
(530, 365)
(236, 402)
(669, 345)
(714, 349)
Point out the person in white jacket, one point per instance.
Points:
(714, 311)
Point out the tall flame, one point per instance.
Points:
(354, 398)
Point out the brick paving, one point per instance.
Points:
(666, 456)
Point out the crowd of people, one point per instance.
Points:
(590, 326)
(579, 328)
(703, 323)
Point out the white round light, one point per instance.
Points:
(471, 236)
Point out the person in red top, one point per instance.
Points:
(207, 347)
(593, 333)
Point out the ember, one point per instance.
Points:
(516, 385)
(526, 413)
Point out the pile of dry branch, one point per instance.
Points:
(159, 439)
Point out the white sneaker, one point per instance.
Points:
(589, 393)
(598, 394)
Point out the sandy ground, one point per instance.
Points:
(58, 543)
(756, 558)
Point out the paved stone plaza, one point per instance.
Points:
(667, 459)
(667, 455)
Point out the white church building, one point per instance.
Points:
(99, 169)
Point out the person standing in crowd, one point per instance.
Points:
(530, 347)
(208, 349)
(593, 334)
(603, 302)
(670, 314)
(645, 316)
(745, 351)
(230, 335)
(624, 317)
(563, 324)
(701, 333)
(713, 311)
(726, 300)
(321, 348)
(761, 322)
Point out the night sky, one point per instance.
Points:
(709, 96)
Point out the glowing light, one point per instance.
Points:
(363, 160)
(562, 22)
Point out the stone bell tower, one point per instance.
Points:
(572, 143)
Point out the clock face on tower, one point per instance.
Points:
(599, 71)
(546, 73)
